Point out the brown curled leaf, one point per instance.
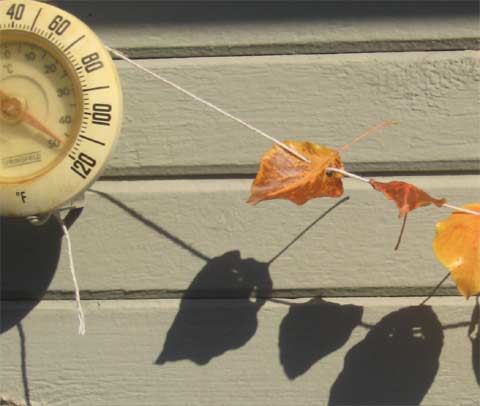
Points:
(282, 175)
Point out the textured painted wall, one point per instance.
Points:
(192, 296)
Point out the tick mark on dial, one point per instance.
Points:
(95, 88)
(74, 42)
(35, 20)
(92, 140)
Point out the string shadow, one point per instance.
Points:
(474, 336)
(205, 329)
(29, 257)
(396, 363)
(201, 332)
(23, 355)
(310, 331)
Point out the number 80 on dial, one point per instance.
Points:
(60, 107)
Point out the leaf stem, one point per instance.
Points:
(367, 133)
(401, 232)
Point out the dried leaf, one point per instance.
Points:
(407, 196)
(284, 176)
(457, 246)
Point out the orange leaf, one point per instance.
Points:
(457, 246)
(407, 196)
(284, 176)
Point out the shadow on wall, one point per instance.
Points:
(474, 336)
(396, 363)
(230, 325)
(230, 13)
(203, 330)
(206, 329)
(29, 257)
(310, 331)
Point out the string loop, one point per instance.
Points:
(81, 315)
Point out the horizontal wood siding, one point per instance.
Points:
(217, 28)
(193, 297)
(327, 99)
(157, 236)
(233, 352)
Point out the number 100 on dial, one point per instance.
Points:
(60, 107)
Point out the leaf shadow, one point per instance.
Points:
(205, 329)
(29, 257)
(311, 331)
(395, 363)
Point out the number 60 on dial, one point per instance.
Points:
(60, 107)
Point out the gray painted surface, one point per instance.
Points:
(327, 99)
(218, 352)
(159, 235)
(185, 229)
(219, 28)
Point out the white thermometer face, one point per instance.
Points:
(60, 107)
(39, 112)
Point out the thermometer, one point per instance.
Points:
(60, 108)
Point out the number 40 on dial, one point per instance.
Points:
(60, 107)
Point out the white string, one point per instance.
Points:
(207, 103)
(468, 211)
(81, 316)
(251, 127)
(349, 174)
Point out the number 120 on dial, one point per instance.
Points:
(60, 107)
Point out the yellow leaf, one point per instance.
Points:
(457, 246)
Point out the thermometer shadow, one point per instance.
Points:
(205, 329)
(29, 257)
(28, 260)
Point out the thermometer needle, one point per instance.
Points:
(11, 107)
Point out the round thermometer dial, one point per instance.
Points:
(60, 107)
